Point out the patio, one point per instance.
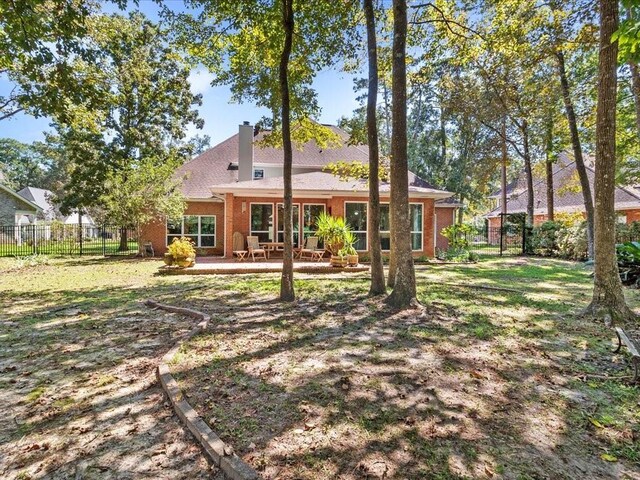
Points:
(223, 266)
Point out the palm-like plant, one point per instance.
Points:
(334, 232)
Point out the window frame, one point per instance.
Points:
(365, 231)
(170, 236)
(271, 231)
(276, 225)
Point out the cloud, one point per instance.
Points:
(200, 80)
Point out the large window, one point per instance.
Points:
(296, 223)
(415, 210)
(262, 221)
(199, 228)
(310, 213)
(355, 214)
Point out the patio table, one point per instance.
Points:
(271, 246)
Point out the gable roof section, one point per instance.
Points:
(31, 206)
(213, 166)
(567, 194)
(39, 196)
(323, 183)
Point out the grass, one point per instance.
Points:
(496, 378)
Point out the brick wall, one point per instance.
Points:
(444, 218)
(156, 232)
(334, 206)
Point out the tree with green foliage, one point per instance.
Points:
(22, 165)
(120, 158)
(295, 40)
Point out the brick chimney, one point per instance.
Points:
(245, 152)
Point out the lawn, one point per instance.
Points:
(496, 378)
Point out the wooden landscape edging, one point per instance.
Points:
(221, 454)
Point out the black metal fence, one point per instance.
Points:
(60, 239)
(508, 238)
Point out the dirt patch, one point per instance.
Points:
(481, 384)
(78, 397)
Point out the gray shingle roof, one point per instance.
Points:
(567, 195)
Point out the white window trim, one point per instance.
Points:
(274, 225)
(278, 218)
(365, 231)
(199, 235)
(421, 232)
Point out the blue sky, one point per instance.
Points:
(221, 118)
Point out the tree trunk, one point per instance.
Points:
(577, 150)
(549, 170)
(528, 171)
(124, 241)
(287, 292)
(503, 176)
(375, 250)
(404, 289)
(635, 88)
(608, 297)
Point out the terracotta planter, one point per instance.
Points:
(337, 261)
(352, 260)
(184, 262)
(168, 259)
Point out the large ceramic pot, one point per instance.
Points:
(352, 260)
(185, 262)
(168, 259)
(338, 261)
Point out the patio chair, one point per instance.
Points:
(311, 250)
(238, 247)
(254, 248)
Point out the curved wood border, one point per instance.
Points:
(221, 454)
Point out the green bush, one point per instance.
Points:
(458, 235)
(544, 238)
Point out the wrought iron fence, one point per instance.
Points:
(60, 239)
(510, 238)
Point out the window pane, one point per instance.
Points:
(361, 242)
(207, 241)
(356, 216)
(416, 218)
(170, 238)
(385, 241)
(262, 220)
(263, 236)
(174, 227)
(207, 225)
(384, 218)
(310, 214)
(416, 241)
(296, 217)
(191, 225)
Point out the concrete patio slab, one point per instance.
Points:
(222, 266)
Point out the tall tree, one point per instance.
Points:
(404, 284)
(377, 271)
(22, 165)
(608, 301)
(287, 292)
(296, 39)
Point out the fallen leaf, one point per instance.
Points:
(607, 457)
(595, 422)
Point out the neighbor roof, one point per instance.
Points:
(32, 206)
(39, 196)
(318, 183)
(567, 193)
(218, 165)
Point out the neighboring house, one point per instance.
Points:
(567, 195)
(49, 211)
(237, 186)
(15, 209)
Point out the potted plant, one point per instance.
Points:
(349, 250)
(333, 231)
(183, 252)
(168, 258)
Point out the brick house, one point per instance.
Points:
(567, 194)
(237, 186)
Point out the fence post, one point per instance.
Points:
(104, 245)
(34, 231)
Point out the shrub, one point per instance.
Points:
(544, 238)
(182, 248)
(458, 235)
(572, 242)
(628, 255)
